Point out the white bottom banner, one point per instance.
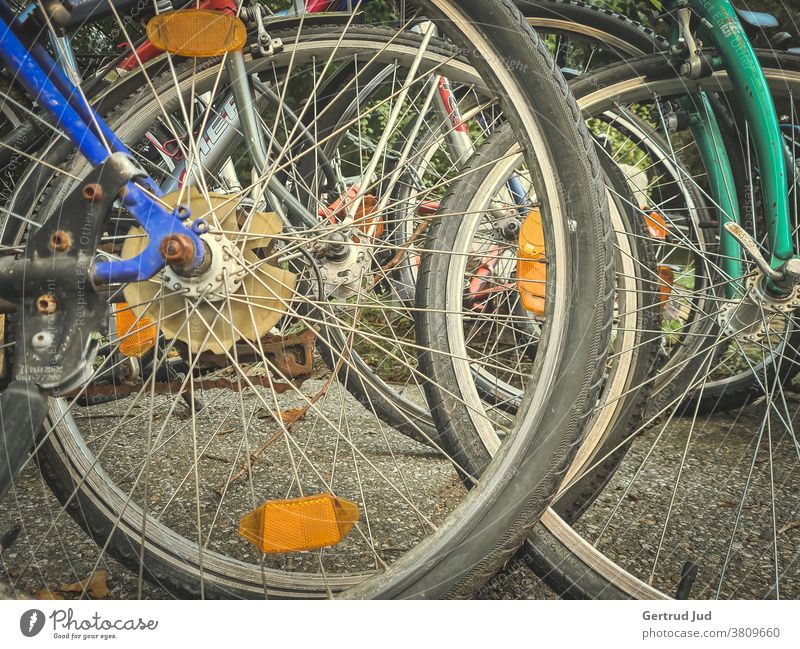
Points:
(33, 623)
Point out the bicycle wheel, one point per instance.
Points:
(676, 220)
(497, 331)
(661, 212)
(684, 206)
(581, 37)
(722, 483)
(144, 485)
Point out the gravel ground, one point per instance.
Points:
(52, 551)
(69, 555)
(723, 453)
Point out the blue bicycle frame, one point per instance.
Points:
(35, 69)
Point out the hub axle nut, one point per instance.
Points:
(177, 250)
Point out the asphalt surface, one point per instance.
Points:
(735, 514)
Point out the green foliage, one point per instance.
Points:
(787, 11)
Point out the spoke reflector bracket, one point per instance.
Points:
(199, 33)
(299, 524)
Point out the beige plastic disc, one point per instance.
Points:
(246, 306)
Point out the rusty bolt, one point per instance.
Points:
(60, 241)
(93, 192)
(177, 250)
(46, 304)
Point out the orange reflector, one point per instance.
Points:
(299, 524)
(531, 267)
(197, 32)
(666, 277)
(138, 336)
(656, 225)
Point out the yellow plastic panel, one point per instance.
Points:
(531, 267)
(197, 32)
(299, 524)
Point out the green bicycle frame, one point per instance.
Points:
(754, 100)
(707, 135)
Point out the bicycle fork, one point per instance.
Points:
(776, 286)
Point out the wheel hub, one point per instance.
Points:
(748, 318)
(342, 278)
(221, 278)
(237, 294)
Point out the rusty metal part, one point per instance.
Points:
(291, 356)
(174, 387)
(92, 192)
(60, 241)
(47, 304)
(178, 251)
